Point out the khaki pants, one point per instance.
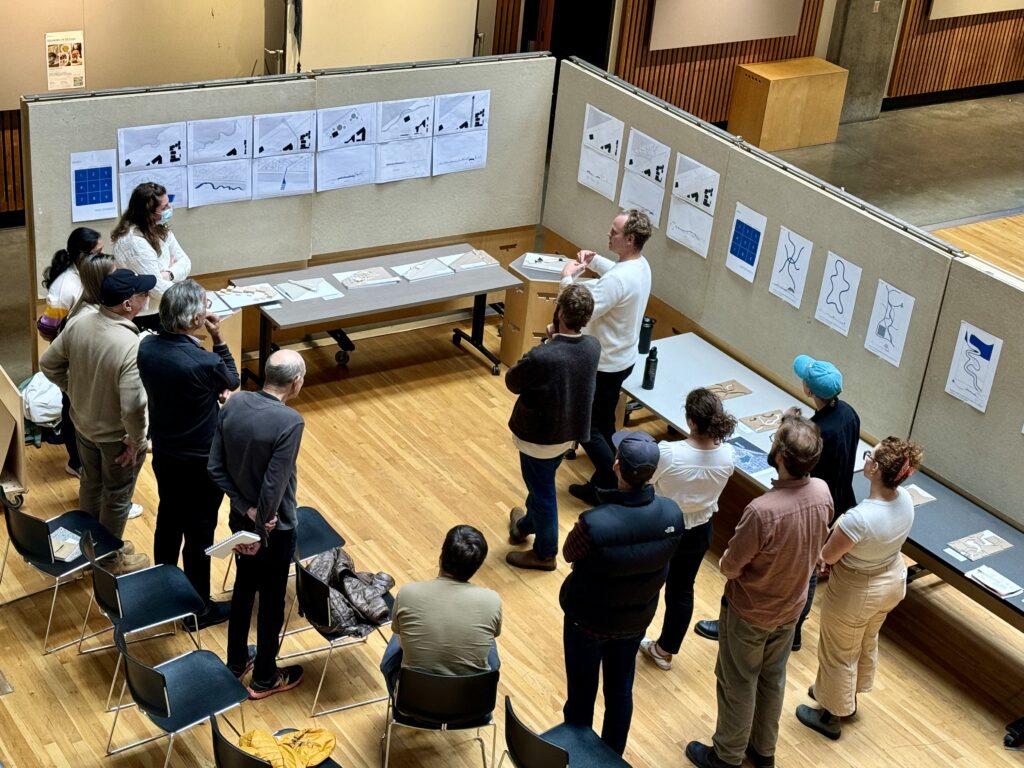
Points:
(855, 606)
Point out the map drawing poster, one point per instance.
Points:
(789, 273)
(889, 323)
(600, 150)
(973, 367)
(151, 146)
(838, 294)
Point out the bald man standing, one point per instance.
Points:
(253, 460)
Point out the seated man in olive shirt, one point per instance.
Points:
(446, 625)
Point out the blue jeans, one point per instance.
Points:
(391, 662)
(541, 503)
(585, 657)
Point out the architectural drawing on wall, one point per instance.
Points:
(459, 152)
(789, 274)
(643, 183)
(748, 227)
(695, 183)
(148, 146)
(455, 112)
(838, 294)
(973, 368)
(637, 192)
(600, 150)
(345, 167)
(282, 175)
(94, 185)
(225, 182)
(889, 323)
(397, 160)
(689, 226)
(223, 138)
(174, 180)
(346, 126)
(405, 119)
(284, 133)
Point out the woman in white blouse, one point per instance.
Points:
(692, 472)
(61, 281)
(144, 243)
(868, 579)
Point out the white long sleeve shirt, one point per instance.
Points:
(133, 252)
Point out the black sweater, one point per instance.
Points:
(840, 433)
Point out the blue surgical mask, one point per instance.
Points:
(166, 215)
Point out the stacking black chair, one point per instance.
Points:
(176, 694)
(227, 755)
(314, 599)
(428, 702)
(31, 539)
(525, 749)
(138, 601)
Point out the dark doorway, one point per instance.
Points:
(569, 28)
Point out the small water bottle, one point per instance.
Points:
(650, 369)
(646, 331)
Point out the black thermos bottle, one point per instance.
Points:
(650, 369)
(646, 330)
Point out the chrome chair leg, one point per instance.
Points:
(312, 711)
(170, 748)
(287, 619)
(3, 566)
(49, 621)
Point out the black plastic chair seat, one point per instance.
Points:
(198, 685)
(152, 596)
(314, 534)
(584, 746)
(412, 722)
(80, 523)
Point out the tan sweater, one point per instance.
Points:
(94, 361)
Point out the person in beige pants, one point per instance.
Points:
(868, 579)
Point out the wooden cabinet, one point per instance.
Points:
(528, 310)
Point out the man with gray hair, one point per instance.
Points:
(185, 385)
(252, 458)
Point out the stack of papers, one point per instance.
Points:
(64, 544)
(546, 262)
(237, 296)
(421, 270)
(474, 259)
(918, 494)
(362, 278)
(217, 305)
(979, 545)
(308, 288)
(994, 581)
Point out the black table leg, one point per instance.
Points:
(266, 342)
(476, 335)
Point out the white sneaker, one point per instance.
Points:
(135, 511)
(72, 471)
(649, 648)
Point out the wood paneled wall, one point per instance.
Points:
(961, 52)
(699, 79)
(12, 195)
(506, 27)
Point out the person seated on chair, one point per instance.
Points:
(446, 626)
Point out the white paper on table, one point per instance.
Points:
(217, 305)
(466, 151)
(282, 175)
(642, 193)
(309, 288)
(345, 167)
(889, 323)
(792, 262)
(423, 270)
(146, 146)
(94, 185)
(346, 126)
(973, 368)
(221, 138)
(456, 112)
(598, 172)
(224, 182)
(748, 228)
(602, 133)
(696, 183)
(689, 225)
(405, 119)
(397, 160)
(284, 133)
(647, 157)
(838, 295)
(174, 180)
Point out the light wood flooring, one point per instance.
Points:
(997, 241)
(408, 442)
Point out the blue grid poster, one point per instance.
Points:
(93, 185)
(745, 243)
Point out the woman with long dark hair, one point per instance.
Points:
(62, 282)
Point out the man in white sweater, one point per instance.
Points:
(620, 297)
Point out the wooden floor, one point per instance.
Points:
(410, 441)
(997, 241)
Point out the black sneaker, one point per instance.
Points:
(249, 663)
(585, 492)
(216, 612)
(285, 679)
(706, 628)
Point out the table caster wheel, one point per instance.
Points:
(496, 370)
(342, 357)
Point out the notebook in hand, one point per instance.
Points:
(225, 547)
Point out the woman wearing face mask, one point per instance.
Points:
(144, 243)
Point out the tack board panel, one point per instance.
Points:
(506, 193)
(978, 451)
(770, 331)
(584, 216)
(217, 238)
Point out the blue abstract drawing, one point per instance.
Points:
(838, 287)
(748, 457)
(94, 186)
(745, 240)
(975, 351)
(794, 254)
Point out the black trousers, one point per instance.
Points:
(602, 426)
(189, 501)
(67, 432)
(265, 573)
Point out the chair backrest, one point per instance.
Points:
(29, 535)
(227, 755)
(526, 748)
(104, 583)
(446, 699)
(314, 597)
(148, 686)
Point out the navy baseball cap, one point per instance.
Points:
(637, 453)
(821, 377)
(122, 284)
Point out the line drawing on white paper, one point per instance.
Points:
(689, 226)
(225, 138)
(889, 323)
(405, 119)
(282, 175)
(838, 295)
(838, 286)
(349, 125)
(794, 254)
(647, 157)
(284, 133)
(173, 179)
(792, 260)
(345, 167)
(457, 112)
(972, 369)
(147, 146)
(696, 183)
(976, 355)
(222, 182)
(602, 132)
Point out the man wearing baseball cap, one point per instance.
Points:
(620, 551)
(94, 361)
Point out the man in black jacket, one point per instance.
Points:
(620, 552)
(555, 384)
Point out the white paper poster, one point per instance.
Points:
(397, 160)
(149, 146)
(65, 60)
(789, 273)
(346, 126)
(225, 182)
(405, 119)
(838, 293)
(642, 194)
(174, 180)
(974, 366)
(282, 175)
(222, 138)
(284, 133)
(600, 150)
(696, 183)
(689, 225)
(643, 183)
(345, 167)
(94, 185)
(457, 112)
(748, 227)
(460, 152)
(889, 323)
